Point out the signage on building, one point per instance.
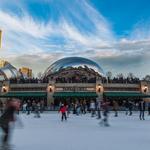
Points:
(75, 89)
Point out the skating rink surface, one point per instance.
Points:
(81, 133)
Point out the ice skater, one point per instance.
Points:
(115, 108)
(37, 110)
(98, 109)
(142, 110)
(104, 121)
(24, 107)
(126, 105)
(92, 108)
(7, 117)
(63, 111)
(130, 108)
(148, 108)
(28, 107)
(68, 107)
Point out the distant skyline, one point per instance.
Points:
(114, 33)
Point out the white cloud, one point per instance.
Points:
(25, 38)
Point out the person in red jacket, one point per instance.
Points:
(63, 110)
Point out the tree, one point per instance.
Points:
(131, 75)
(147, 78)
(39, 75)
(109, 74)
(120, 75)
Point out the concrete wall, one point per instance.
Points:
(37, 87)
(121, 87)
(91, 87)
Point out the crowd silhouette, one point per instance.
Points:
(78, 79)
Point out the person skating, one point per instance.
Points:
(104, 121)
(68, 107)
(115, 108)
(126, 105)
(98, 109)
(1, 107)
(24, 107)
(37, 110)
(84, 107)
(78, 109)
(142, 110)
(63, 111)
(42, 106)
(28, 107)
(7, 117)
(130, 108)
(148, 108)
(92, 108)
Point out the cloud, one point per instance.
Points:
(28, 30)
(73, 29)
(38, 62)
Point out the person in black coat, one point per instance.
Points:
(142, 110)
(7, 117)
(130, 108)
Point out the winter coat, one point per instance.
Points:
(142, 106)
(92, 105)
(8, 116)
(63, 109)
(115, 105)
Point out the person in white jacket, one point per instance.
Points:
(98, 104)
(92, 108)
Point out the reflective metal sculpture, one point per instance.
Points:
(73, 62)
(9, 72)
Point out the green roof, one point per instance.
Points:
(75, 94)
(24, 94)
(125, 94)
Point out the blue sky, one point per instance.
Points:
(123, 14)
(114, 33)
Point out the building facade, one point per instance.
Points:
(26, 72)
(3, 63)
(72, 79)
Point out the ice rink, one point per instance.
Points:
(82, 133)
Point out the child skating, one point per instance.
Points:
(63, 110)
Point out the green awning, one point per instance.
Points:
(24, 94)
(75, 94)
(125, 94)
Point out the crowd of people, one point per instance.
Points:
(98, 108)
(128, 80)
(77, 79)
(27, 80)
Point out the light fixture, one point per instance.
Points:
(4, 89)
(50, 88)
(99, 88)
(145, 88)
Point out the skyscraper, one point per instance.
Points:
(26, 72)
(3, 63)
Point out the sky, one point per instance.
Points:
(113, 33)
